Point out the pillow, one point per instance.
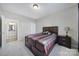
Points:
(44, 32)
(47, 32)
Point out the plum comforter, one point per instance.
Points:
(41, 42)
(33, 37)
(46, 43)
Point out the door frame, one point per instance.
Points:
(78, 27)
(0, 32)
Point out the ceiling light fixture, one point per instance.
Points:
(35, 6)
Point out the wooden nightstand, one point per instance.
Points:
(64, 41)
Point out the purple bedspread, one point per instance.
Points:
(48, 42)
(37, 36)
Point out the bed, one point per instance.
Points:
(42, 43)
(30, 39)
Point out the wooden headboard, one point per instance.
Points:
(52, 29)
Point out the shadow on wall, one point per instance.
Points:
(74, 45)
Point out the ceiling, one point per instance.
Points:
(26, 9)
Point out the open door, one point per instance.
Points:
(12, 32)
(0, 32)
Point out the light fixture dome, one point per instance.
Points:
(35, 6)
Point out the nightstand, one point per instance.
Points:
(64, 41)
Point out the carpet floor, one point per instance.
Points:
(18, 48)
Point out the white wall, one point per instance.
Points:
(25, 28)
(67, 17)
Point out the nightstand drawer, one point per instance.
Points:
(64, 41)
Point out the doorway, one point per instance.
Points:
(12, 32)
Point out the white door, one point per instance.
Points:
(33, 28)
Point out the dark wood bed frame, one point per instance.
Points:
(52, 29)
(35, 51)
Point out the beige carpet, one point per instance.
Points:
(17, 48)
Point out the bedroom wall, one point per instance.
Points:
(24, 26)
(67, 17)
